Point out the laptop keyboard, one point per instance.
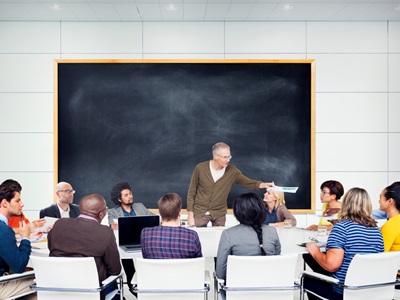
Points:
(131, 247)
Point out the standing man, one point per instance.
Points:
(84, 236)
(64, 208)
(12, 257)
(121, 195)
(210, 185)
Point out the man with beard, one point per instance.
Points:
(121, 195)
(13, 258)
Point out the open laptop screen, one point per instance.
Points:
(130, 228)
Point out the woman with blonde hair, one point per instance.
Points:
(355, 233)
(277, 211)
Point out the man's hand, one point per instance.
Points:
(39, 222)
(191, 222)
(114, 226)
(266, 185)
(24, 229)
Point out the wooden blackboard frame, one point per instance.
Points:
(311, 102)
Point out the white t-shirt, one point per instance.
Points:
(217, 174)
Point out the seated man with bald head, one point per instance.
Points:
(64, 208)
(86, 237)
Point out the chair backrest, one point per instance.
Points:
(276, 271)
(167, 274)
(21, 291)
(65, 272)
(369, 269)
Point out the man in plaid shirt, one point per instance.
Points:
(170, 240)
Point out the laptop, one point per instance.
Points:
(130, 228)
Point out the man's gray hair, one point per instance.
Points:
(218, 146)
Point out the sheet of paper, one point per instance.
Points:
(285, 189)
(49, 222)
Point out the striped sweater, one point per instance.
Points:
(354, 239)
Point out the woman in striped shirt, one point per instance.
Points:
(356, 233)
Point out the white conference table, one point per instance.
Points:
(209, 238)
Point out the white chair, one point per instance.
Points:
(258, 277)
(19, 276)
(171, 279)
(65, 278)
(369, 276)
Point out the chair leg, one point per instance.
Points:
(121, 288)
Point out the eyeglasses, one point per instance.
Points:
(225, 157)
(325, 192)
(104, 209)
(67, 191)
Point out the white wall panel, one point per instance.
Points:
(30, 37)
(188, 37)
(37, 190)
(101, 37)
(351, 152)
(354, 73)
(351, 112)
(27, 72)
(26, 112)
(183, 56)
(265, 37)
(394, 34)
(394, 176)
(394, 152)
(88, 56)
(26, 152)
(372, 182)
(394, 72)
(346, 37)
(351, 72)
(312, 219)
(265, 56)
(394, 112)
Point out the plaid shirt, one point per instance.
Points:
(170, 242)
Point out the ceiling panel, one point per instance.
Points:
(238, 11)
(194, 11)
(199, 10)
(127, 11)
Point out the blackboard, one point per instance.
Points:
(150, 122)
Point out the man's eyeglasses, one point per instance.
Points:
(225, 157)
(67, 191)
(105, 209)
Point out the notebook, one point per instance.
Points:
(130, 228)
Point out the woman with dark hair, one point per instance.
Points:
(356, 233)
(331, 192)
(250, 237)
(389, 202)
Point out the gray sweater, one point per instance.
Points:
(242, 240)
